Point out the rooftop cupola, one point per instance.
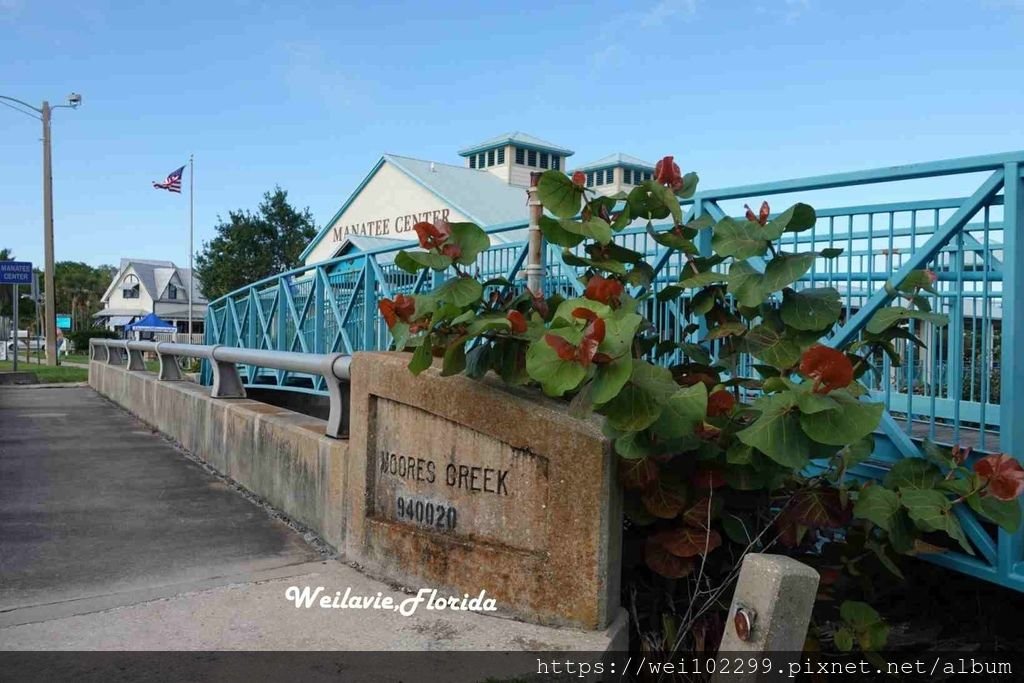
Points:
(512, 156)
(616, 173)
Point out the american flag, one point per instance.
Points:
(173, 182)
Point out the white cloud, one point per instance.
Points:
(667, 10)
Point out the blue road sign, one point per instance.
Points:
(15, 273)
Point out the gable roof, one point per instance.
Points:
(154, 275)
(516, 138)
(480, 196)
(617, 159)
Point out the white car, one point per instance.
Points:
(29, 343)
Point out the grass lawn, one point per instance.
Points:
(47, 374)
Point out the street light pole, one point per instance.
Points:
(50, 316)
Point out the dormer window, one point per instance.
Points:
(172, 292)
(130, 287)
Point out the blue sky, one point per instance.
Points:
(309, 95)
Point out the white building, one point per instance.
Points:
(488, 188)
(142, 286)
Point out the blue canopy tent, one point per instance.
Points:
(151, 323)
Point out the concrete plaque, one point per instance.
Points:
(464, 485)
(441, 476)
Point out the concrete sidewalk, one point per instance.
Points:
(112, 538)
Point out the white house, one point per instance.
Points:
(143, 286)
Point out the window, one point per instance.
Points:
(490, 158)
(556, 163)
(472, 161)
(627, 176)
(172, 292)
(543, 159)
(609, 176)
(520, 156)
(531, 158)
(481, 160)
(647, 175)
(590, 178)
(130, 287)
(501, 156)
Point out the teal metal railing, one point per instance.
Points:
(954, 390)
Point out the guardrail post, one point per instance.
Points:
(1011, 436)
(169, 370)
(135, 360)
(335, 371)
(369, 306)
(226, 381)
(99, 351)
(114, 356)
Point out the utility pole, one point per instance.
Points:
(43, 114)
(49, 316)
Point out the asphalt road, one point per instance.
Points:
(93, 503)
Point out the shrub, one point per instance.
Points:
(716, 460)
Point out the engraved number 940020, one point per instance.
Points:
(423, 512)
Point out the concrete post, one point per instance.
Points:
(770, 611)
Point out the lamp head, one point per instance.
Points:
(74, 99)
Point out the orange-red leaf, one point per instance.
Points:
(605, 290)
(666, 172)
(663, 503)
(518, 322)
(1004, 475)
(432, 235)
(689, 541)
(762, 216)
(720, 403)
(699, 514)
(638, 475)
(707, 478)
(402, 308)
(830, 369)
(665, 563)
(579, 178)
(563, 348)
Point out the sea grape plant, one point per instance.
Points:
(739, 435)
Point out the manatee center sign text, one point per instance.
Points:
(388, 226)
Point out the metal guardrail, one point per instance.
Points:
(224, 360)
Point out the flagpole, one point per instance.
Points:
(191, 213)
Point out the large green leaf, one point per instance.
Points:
(422, 358)
(741, 239)
(777, 433)
(683, 411)
(556, 376)
(559, 194)
(556, 234)
(610, 378)
(643, 204)
(1004, 513)
(415, 261)
(913, 473)
(666, 197)
(454, 358)
(885, 318)
(930, 509)
(811, 309)
(461, 291)
(689, 186)
(772, 347)
(471, 240)
(746, 284)
(785, 269)
(796, 218)
(853, 421)
(877, 504)
(595, 228)
(640, 401)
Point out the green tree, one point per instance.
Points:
(250, 246)
(5, 292)
(78, 288)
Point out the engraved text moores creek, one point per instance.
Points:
(471, 478)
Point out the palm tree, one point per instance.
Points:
(5, 292)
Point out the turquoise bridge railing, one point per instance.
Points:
(955, 390)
